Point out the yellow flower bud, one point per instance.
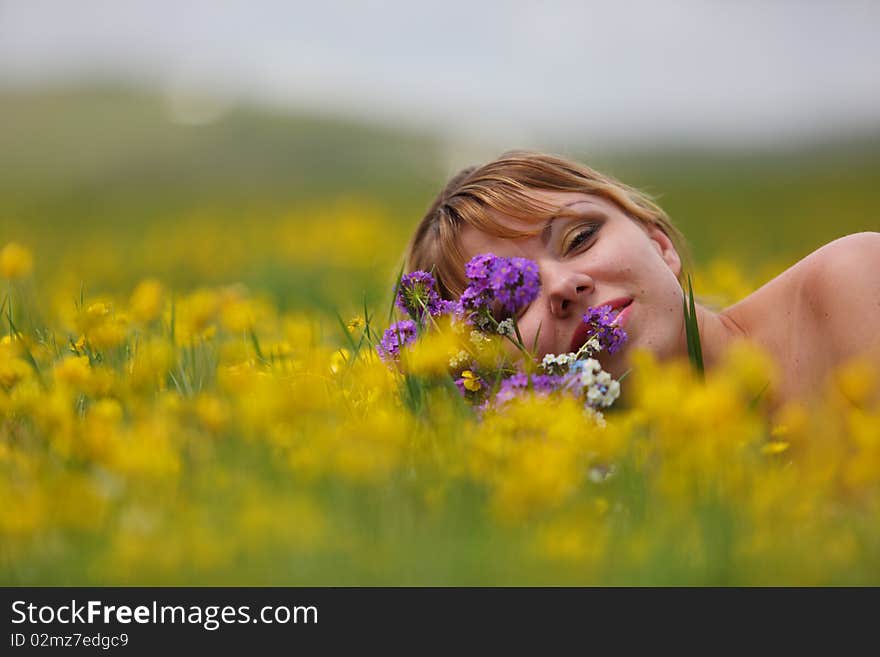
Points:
(15, 261)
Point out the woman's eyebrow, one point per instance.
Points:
(563, 212)
(548, 228)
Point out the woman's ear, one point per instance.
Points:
(665, 248)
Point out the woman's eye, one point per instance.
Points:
(580, 237)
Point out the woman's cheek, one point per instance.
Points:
(529, 332)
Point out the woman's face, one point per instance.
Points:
(600, 256)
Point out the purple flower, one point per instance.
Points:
(511, 387)
(446, 307)
(515, 282)
(396, 336)
(480, 266)
(544, 384)
(512, 282)
(601, 321)
(519, 383)
(418, 294)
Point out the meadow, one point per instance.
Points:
(189, 393)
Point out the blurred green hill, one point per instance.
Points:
(117, 146)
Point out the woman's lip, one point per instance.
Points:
(617, 303)
(623, 314)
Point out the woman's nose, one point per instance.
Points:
(566, 292)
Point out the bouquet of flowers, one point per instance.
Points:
(486, 375)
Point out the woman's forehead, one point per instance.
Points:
(564, 204)
(560, 201)
(474, 241)
(565, 199)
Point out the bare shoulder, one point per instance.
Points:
(840, 289)
(817, 280)
(843, 249)
(818, 313)
(847, 269)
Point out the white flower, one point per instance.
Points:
(478, 338)
(600, 388)
(600, 473)
(505, 327)
(592, 364)
(458, 359)
(613, 393)
(596, 416)
(554, 364)
(592, 345)
(588, 372)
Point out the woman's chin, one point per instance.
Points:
(615, 364)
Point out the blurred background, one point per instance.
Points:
(203, 186)
(293, 146)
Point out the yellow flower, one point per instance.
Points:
(212, 412)
(102, 328)
(238, 316)
(15, 261)
(98, 310)
(146, 300)
(74, 370)
(149, 364)
(339, 358)
(471, 381)
(775, 447)
(430, 355)
(858, 381)
(196, 313)
(12, 370)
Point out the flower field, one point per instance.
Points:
(197, 398)
(205, 437)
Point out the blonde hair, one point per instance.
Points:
(503, 185)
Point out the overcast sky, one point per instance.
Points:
(613, 72)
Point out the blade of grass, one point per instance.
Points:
(754, 402)
(535, 341)
(519, 337)
(345, 331)
(692, 328)
(172, 320)
(394, 296)
(256, 344)
(367, 321)
(687, 327)
(698, 350)
(183, 377)
(9, 315)
(357, 350)
(27, 352)
(176, 384)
